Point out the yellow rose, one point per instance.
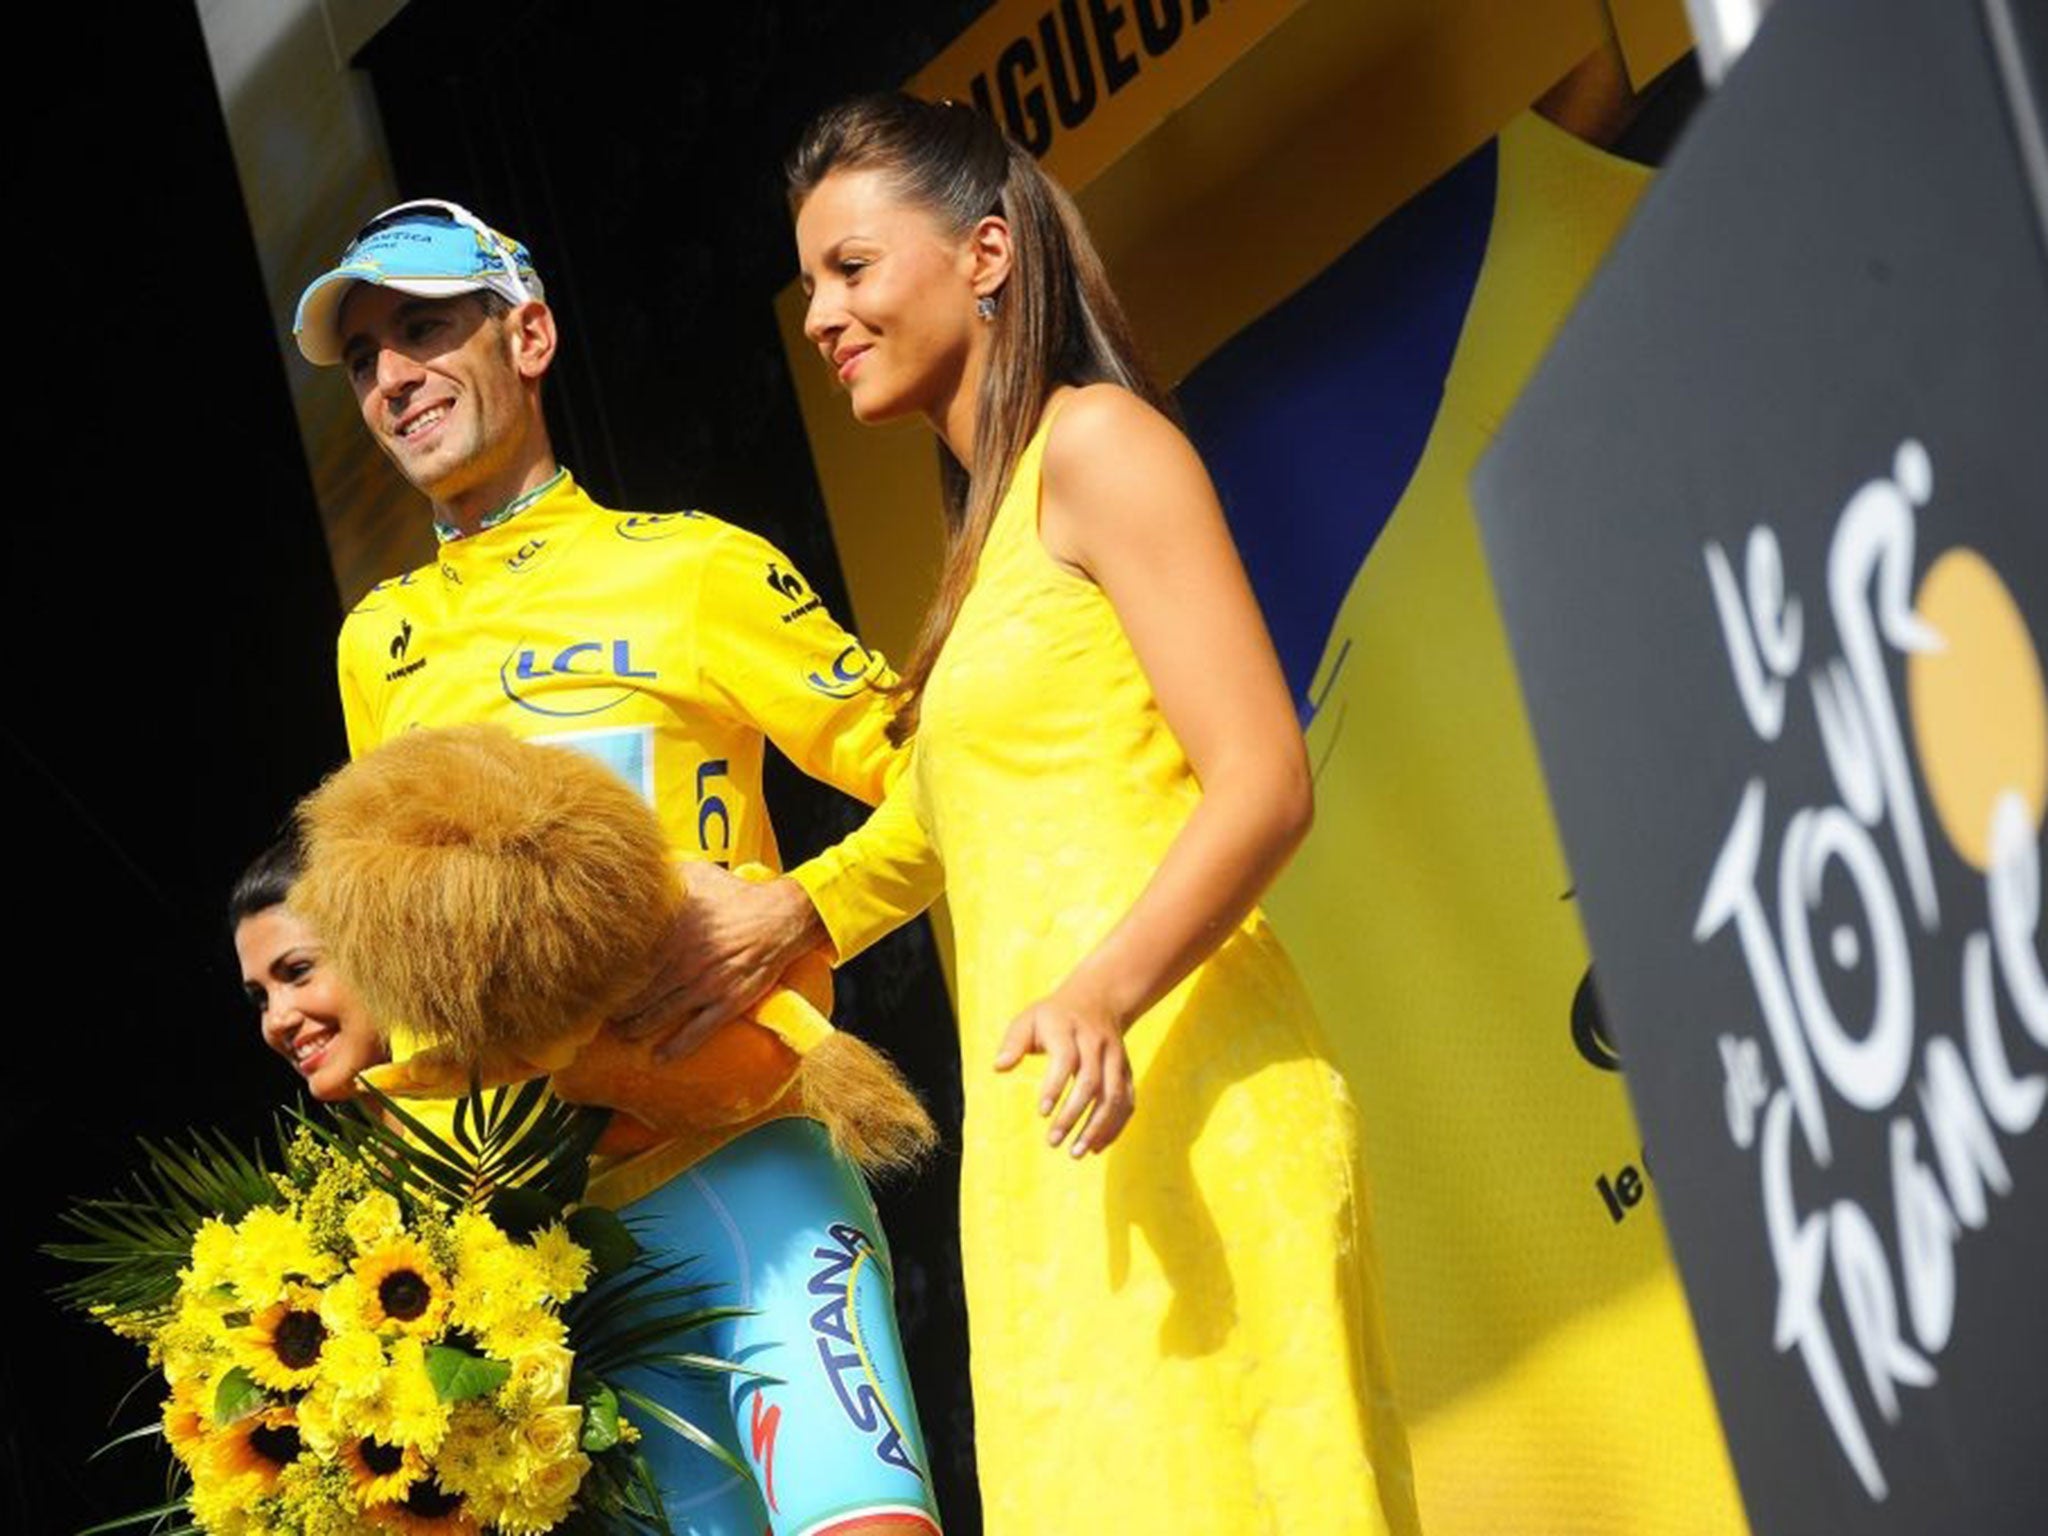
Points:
(540, 1375)
(553, 1433)
(374, 1219)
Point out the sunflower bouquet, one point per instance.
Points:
(392, 1330)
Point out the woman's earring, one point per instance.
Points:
(985, 306)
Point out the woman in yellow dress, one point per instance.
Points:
(1170, 1280)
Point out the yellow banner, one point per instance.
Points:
(1077, 82)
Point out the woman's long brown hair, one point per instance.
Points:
(1056, 321)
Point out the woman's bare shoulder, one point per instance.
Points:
(1104, 437)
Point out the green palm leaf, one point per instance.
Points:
(502, 1139)
(133, 1245)
(675, 1424)
(635, 1317)
(177, 1506)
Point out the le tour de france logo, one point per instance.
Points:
(1936, 1068)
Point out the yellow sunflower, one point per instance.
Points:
(282, 1343)
(381, 1473)
(254, 1451)
(402, 1287)
(187, 1426)
(427, 1509)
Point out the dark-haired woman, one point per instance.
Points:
(308, 1014)
(1180, 1332)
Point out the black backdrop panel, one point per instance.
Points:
(171, 692)
(1767, 529)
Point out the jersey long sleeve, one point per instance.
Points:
(879, 876)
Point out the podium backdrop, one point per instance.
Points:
(1769, 539)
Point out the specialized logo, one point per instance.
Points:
(763, 1422)
(601, 675)
(836, 1327)
(646, 527)
(792, 587)
(521, 556)
(400, 642)
(851, 670)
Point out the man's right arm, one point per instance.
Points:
(773, 655)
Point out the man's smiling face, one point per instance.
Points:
(438, 386)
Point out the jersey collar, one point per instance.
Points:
(448, 533)
(527, 533)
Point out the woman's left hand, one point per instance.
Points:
(1087, 1075)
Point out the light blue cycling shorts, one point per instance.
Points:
(779, 1223)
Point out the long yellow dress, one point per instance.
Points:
(1181, 1335)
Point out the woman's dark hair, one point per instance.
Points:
(266, 881)
(1057, 322)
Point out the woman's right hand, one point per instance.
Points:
(1087, 1089)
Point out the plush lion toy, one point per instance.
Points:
(504, 898)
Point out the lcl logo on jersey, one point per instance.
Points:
(849, 673)
(645, 527)
(523, 555)
(585, 677)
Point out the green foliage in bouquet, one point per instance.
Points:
(380, 1328)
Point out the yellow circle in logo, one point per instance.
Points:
(1980, 711)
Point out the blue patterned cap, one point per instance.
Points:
(430, 248)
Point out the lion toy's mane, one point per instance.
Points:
(504, 898)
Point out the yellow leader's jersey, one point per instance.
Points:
(666, 644)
